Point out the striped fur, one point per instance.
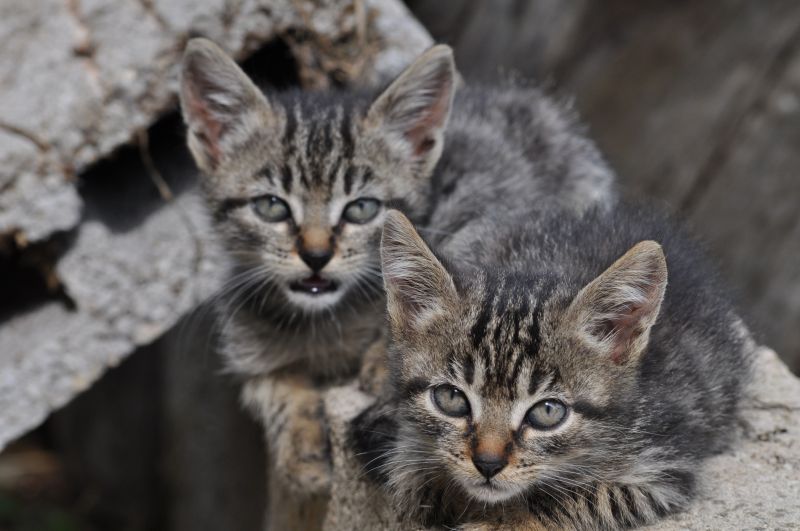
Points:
(505, 147)
(444, 160)
(567, 308)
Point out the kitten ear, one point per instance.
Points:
(416, 106)
(221, 106)
(417, 285)
(616, 311)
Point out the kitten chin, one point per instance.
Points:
(490, 492)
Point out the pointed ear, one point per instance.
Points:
(221, 106)
(414, 109)
(616, 311)
(417, 285)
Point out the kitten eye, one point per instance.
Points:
(451, 400)
(272, 209)
(546, 415)
(361, 210)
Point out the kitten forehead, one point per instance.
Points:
(504, 331)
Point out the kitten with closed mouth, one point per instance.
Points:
(573, 374)
(299, 184)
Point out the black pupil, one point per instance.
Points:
(361, 206)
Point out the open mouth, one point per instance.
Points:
(313, 285)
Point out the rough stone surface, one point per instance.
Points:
(129, 288)
(135, 262)
(756, 486)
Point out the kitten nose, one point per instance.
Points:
(489, 464)
(315, 247)
(316, 259)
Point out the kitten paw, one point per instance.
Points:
(302, 460)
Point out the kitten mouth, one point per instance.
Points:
(491, 492)
(313, 285)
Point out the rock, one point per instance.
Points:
(78, 79)
(128, 288)
(755, 486)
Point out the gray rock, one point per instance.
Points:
(129, 288)
(756, 486)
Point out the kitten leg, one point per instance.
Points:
(291, 411)
(374, 374)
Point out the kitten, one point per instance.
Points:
(558, 380)
(299, 184)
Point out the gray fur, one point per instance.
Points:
(637, 338)
(499, 149)
(504, 148)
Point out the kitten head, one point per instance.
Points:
(511, 382)
(298, 182)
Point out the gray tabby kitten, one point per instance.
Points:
(298, 184)
(562, 382)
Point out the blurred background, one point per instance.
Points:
(105, 263)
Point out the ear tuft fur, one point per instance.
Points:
(617, 310)
(418, 286)
(416, 106)
(218, 102)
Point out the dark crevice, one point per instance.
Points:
(28, 273)
(119, 191)
(273, 66)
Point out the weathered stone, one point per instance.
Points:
(129, 288)
(756, 486)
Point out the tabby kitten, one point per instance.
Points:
(558, 380)
(298, 184)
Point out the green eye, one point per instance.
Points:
(547, 414)
(361, 210)
(451, 400)
(272, 209)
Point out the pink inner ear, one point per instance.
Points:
(211, 129)
(420, 135)
(623, 326)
